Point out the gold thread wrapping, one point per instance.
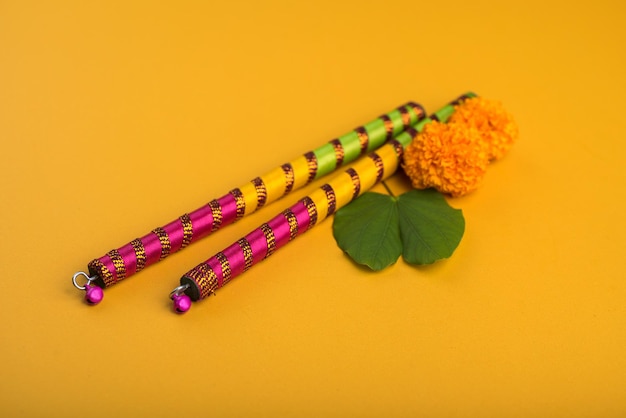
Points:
(185, 220)
(261, 192)
(140, 254)
(411, 131)
(246, 248)
(397, 146)
(118, 262)
(330, 197)
(311, 210)
(418, 110)
(364, 138)
(356, 182)
(311, 161)
(164, 239)
(226, 272)
(388, 125)
(406, 118)
(289, 177)
(380, 168)
(216, 211)
(339, 151)
(461, 98)
(206, 279)
(98, 268)
(240, 201)
(269, 238)
(293, 223)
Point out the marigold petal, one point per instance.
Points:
(498, 130)
(448, 157)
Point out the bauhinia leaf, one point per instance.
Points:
(367, 230)
(375, 229)
(429, 228)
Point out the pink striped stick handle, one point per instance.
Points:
(210, 275)
(217, 271)
(161, 242)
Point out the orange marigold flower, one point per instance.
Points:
(497, 128)
(449, 157)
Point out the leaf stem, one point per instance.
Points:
(384, 183)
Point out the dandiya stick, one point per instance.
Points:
(204, 279)
(123, 262)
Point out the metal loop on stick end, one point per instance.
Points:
(179, 290)
(86, 276)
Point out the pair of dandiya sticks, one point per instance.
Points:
(383, 140)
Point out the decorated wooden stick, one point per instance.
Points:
(161, 242)
(204, 279)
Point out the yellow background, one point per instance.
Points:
(116, 117)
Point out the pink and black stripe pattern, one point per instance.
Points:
(262, 242)
(207, 277)
(123, 262)
(163, 241)
(259, 244)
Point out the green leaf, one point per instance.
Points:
(375, 229)
(367, 229)
(430, 229)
